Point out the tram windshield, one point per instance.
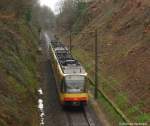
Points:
(75, 84)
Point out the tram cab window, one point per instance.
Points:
(74, 84)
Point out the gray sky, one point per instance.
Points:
(49, 3)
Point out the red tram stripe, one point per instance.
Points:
(75, 99)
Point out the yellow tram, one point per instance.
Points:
(70, 76)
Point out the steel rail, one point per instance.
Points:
(85, 114)
(70, 122)
(88, 117)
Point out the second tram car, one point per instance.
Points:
(70, 75)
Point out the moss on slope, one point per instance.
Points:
(18, 79)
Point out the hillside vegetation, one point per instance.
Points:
(124, 50)
(18, 61)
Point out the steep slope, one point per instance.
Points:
(18, 71)
(124, 48)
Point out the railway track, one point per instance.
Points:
(79, 117)
(88, 117)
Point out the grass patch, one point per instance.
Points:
(82, 55)
(135, 114)
(113, 117)
(144, 117)
(121, 100)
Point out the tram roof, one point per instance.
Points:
(67, 63)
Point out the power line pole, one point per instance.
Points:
(96, 65)
(70, 42)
